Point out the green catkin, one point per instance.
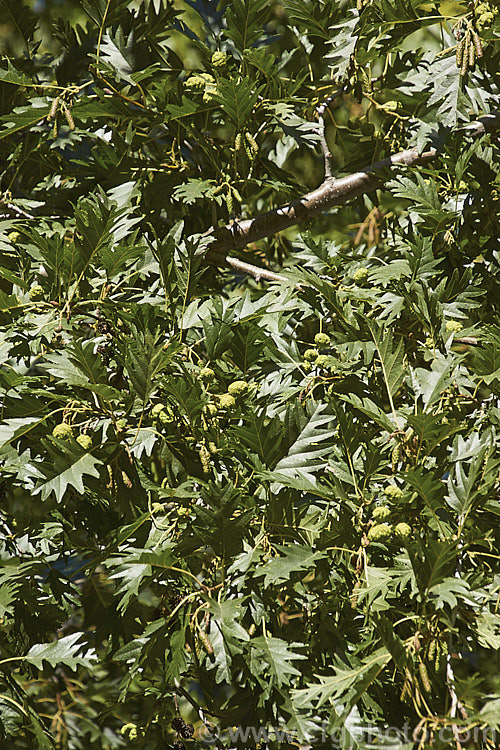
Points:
(465, 57)
(204, 455)
(367, 80)
(395, 457)
(432, 650)
(405, 691)
(68, 116)
(472, 54)
(53, 109)
(126, 480)
(424, 676)
(477, 45)
(460, 52)
(252, 142)
(236, 194)
(206, 642)
(437, 660)
(55, 128)
(248, 151)
(237, 142)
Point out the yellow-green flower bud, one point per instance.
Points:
(322, 339)
(207, 374)
(381, 512)
(402, 530)
(199, 81)
(453, 326)
(310, 355)
(85, 441)
(211, 410)
(157, 410)
(13, 236)
(380, 532)
(166, 416)
(204, 455)
(393, 492)
(322, 360)
(226, 401)
(237, 388)
(219, 59)
(125, 730)
(36, 293)
(360, 276)
(131, 732)
(63, 431)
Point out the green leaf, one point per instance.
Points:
(344, 680)
(463, 487)
(430, 489)
(304, 454)
(68, 472)
(391, 359)
(77, 365)
(192, 190)
(13, 428)
(146, 359)
(370, 409)
(278, 658)
(486, 362)
(237, 98)
(291, 559)
(20, 16)
(245, 21)
(226, 635)
(24, 117)
(424, 200)
(68, 651)
(450, 591)
(430, 384)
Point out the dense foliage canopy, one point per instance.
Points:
(249, 468)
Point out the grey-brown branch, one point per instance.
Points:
(332, 192)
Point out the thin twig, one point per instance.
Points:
(456, 705)
(255, 271)
(327, 154)
(20, 211)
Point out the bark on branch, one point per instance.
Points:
(331, 192)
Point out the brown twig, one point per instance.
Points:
(255, 271)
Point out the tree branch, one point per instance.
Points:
(331, 192)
